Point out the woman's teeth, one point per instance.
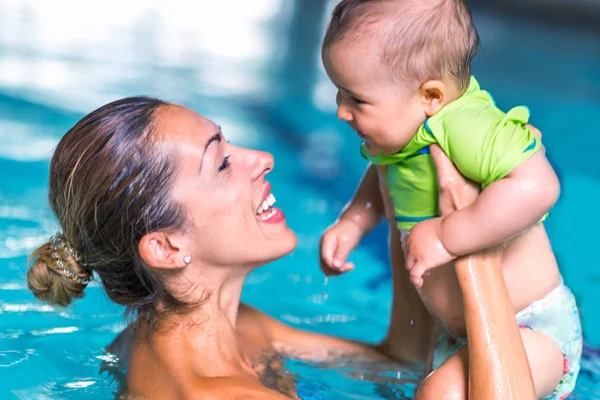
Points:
(266, 205)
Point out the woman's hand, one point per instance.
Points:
(456, 191)
(422, 246)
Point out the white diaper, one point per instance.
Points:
(403, 234)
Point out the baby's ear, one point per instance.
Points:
(433, 95)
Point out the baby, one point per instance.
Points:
(403, 73)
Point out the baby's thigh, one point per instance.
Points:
(545, 360)
(450, 380)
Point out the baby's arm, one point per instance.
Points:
(359, 217)
(366, 207)
(504, 209)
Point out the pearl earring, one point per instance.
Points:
(187, 259)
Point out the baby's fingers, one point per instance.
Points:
(416, 274)
(341, 254)
(328, 248)
(349, 266)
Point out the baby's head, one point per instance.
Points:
(397, 62)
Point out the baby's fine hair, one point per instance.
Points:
(417, 40)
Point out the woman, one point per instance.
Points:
(147, 194)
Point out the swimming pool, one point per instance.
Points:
(267, 90)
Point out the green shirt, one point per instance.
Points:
(483, 142)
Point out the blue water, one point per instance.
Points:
(253, 67)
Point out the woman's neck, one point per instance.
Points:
(206, 333)
(214, 292)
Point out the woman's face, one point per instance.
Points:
(224, 190)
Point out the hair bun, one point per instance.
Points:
(56, 275)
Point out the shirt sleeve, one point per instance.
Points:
(486, 145)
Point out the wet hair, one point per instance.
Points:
(417, 40)
(110, 184)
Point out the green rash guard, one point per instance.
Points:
(483, 142)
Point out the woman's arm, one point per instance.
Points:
(309, 346)
(498, 365)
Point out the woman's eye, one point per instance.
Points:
(224, 164)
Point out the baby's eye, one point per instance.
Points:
(356, 100)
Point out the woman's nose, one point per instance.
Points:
(261, 163)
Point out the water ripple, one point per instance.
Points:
(114, 328)
(11, 334)
(8, 358)
(23, 142)
(108, 358)
(13, 247)
(13, 286)
(4, 307)
(54, 331)
(20, 212)
(79, 384)
(319, 319)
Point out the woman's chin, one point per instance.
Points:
(287, 243)
(279, 247)
(281, 240)
(293, 241)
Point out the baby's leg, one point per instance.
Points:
(450, 380)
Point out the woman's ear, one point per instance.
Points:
(433, 95)
(158, 250)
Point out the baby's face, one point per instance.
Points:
(382, 112)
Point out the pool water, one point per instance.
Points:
(255, 70)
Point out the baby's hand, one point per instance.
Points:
(424, 250)
(336, 244)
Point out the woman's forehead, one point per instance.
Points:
(181, 123)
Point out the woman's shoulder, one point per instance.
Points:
(215, 388)
(252, 320)
(248, 315)
(236, 388)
